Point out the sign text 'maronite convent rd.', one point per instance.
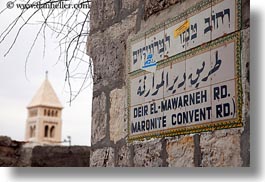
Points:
(194, 81)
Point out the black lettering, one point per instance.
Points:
(196, 115)
(220, 92)
(164, 105)
(153, 123)
(202, 114)
(147, 124)
(204, 96)
(152, 109)
(216, 93)
(139, 112)
(134, 127)
(186, 99)
(180, 102)
(192, 100)
(169, 106)
(226, 109)
(143, 125)
(219, 111)
(179, 118)
(174, 103)
(185, 117)
(197, 97)
(223, 91)
(173, 116)
(139, 126)
(158, 122)
(134, 112)
(145, 110)
(191, 116)
(209, 112)
(164, 121)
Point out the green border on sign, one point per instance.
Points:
(233, 37)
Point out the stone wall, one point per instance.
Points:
(60, 156)
(19, 154)
(112, 23)
(12, 153)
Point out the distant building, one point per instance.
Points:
(44, 122)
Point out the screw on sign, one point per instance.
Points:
(10, 4)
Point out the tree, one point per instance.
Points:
(69, 22)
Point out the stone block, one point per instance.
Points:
(102, 157)
(13, 154)
(124, 155)
(245, 54)
(99, 118)
(129, 4)
(245, 137)
(155, 6)
(180, 152)
(245, 14)
(148, 154)
(5, 141)
(25, 156)
(221, 148)
(100, 12)
(108, 52)
(118, 124)
(245, 66)
(60, 156)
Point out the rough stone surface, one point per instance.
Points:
(108, 52)
(148, 154)
(25, 156)
(245, 61)
(124, 156)
(245, 137)
(10, 153)
(118, 125)
(6, 141)
(99, 118)
(245, 73)
(102, 157)
(160, 17)
(155, 6)
(105, 13)
(221, 148)
(59, 156)
(130, 5)
(245, 14)
(100, 12)
(180, 152)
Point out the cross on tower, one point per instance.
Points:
(46, 74)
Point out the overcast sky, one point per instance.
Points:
(16, 91)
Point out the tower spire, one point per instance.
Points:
(46, 75)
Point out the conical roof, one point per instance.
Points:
(45, 96)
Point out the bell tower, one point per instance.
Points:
(44, 122)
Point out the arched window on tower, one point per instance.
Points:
(56, 113)
(45, 112)
(52, 113)
(34, 131)
(49, 113)
(46, 131)
(52, 132)
(31, 131)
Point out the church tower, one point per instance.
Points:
(44, 122)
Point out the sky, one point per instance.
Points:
(17, 90)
